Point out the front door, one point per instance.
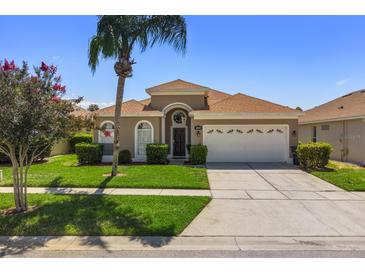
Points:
(179, 141)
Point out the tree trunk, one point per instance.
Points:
(17, 198)
(19, 178)
(117, 122)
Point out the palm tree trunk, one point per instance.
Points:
(117, 121)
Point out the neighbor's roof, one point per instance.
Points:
(344, 107)
(80, 112)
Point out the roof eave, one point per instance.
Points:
(137, 114)
(332, 120)
(244, 115)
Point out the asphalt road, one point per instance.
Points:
(189, 254)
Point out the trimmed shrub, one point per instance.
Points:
(198, 154)
(80, 137)
(89, 153)
(313, 155)
(157, 153)
(125, 157)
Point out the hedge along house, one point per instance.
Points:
(340, 122)
(235, 128)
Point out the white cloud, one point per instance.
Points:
(342, 82)
(56, 57)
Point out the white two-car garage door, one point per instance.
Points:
(246, 143)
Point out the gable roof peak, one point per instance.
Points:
(177, 85)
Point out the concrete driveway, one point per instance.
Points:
(275, 199)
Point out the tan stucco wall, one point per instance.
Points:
(63, 147)
(194, 101)
(293, 126)
(346, 137)
(128, 125)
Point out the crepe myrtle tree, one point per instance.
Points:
(117, 36)
(32, 118)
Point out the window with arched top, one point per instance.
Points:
(143, 136)
(106, 132)
(179, 118)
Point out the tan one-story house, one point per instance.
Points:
(340, 122)
(64, 147)
(235, 128)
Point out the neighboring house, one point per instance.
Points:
(234, 127)
(340, 122)
(63, 147)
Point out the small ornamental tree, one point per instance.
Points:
(93, 107)
(32, 118)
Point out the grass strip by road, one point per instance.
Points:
(80, 215)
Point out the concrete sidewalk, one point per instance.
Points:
(22, 245)
(113, 191)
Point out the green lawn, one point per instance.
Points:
(101, 215)
(63, 171)
(347, 177)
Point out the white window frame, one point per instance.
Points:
(100, 133)
(136, 157)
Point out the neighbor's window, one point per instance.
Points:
(325, 127)
(314, 134)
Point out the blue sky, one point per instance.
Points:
(292, 60)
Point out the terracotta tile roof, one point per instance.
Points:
(215, 96)
(145, 101)
(218, 101)
(80, 112)
(128, 107)
(176, 85)
(349, 105)
(244, 103)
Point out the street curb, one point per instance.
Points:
(21, 244)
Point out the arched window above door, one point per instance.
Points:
(178, 118)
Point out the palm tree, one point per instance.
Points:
(117, 36)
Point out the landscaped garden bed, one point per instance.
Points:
(64, 171)
(100, 215)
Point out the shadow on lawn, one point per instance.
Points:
(56, 182)
(80, 215)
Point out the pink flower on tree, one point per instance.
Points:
(56, 99)
(44, 67)
(53, 69)
(9, 66)
(58, 87)
(63, 89)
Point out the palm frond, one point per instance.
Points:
(117, 36)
